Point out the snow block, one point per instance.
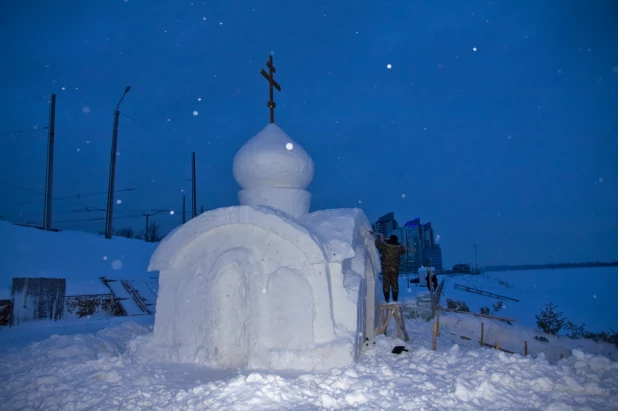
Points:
(253, 287)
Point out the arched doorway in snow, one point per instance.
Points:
(290, 303)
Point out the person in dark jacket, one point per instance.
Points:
(391, 252)
(434, 281)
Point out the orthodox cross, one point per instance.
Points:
(271, 83)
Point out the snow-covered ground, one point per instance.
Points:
(80, 258)
(103, 363)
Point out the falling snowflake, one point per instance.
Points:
(169, 119)
(63, 88)
(199, 99)
(360, 201)
(86, 109)
(403, 196)
(195, 113)
(600, 180)
(594, 296)
(474, 48)
(615, 69)
(389, 66)
(116, 264)
(289, 146)
(118, 201)
(171, 212)
(104, 257)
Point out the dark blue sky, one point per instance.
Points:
(496, 119)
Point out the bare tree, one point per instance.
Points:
(125, 232)
(153, 235)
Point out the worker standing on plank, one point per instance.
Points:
(391, 252)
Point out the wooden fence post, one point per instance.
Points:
(482, 329)
(435, 334)
(525, 348)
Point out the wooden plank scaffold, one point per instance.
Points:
(387, 311)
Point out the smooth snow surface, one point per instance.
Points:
(111, 367)
(252, 287)
(266, 161)
(80, 258)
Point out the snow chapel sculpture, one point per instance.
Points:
(266, 285)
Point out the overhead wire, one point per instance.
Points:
(171, 143)
(23, 131)
(78, 198)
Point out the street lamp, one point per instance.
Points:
(476, 256)
(112, 170)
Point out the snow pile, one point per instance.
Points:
(113, 368)
(78, 257)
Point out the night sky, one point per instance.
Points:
(494, 120)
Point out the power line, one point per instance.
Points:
(62, 198)
(23, 131)
(156, 135)
(171, 143)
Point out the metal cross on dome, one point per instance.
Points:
(271, 83)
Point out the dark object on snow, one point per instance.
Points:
(399, 349)
(37, 299)
(415, 280)
(434, 280)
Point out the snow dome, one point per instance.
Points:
(272, 159)
(274, 171)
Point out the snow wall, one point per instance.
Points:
(252, 287)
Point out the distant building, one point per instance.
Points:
(428, 237)
(434, 256)
(385, 224)
(419, 238)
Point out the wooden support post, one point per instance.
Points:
(438, 320)
(525, 348)
(435, 335)
(497, 345)
(385, 313)
(482, 330)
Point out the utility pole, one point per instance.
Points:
(193, 193)
(184, 218)
(476, 256)
(147, 229)
(109, 215)
(49, 178)
(271, 83)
